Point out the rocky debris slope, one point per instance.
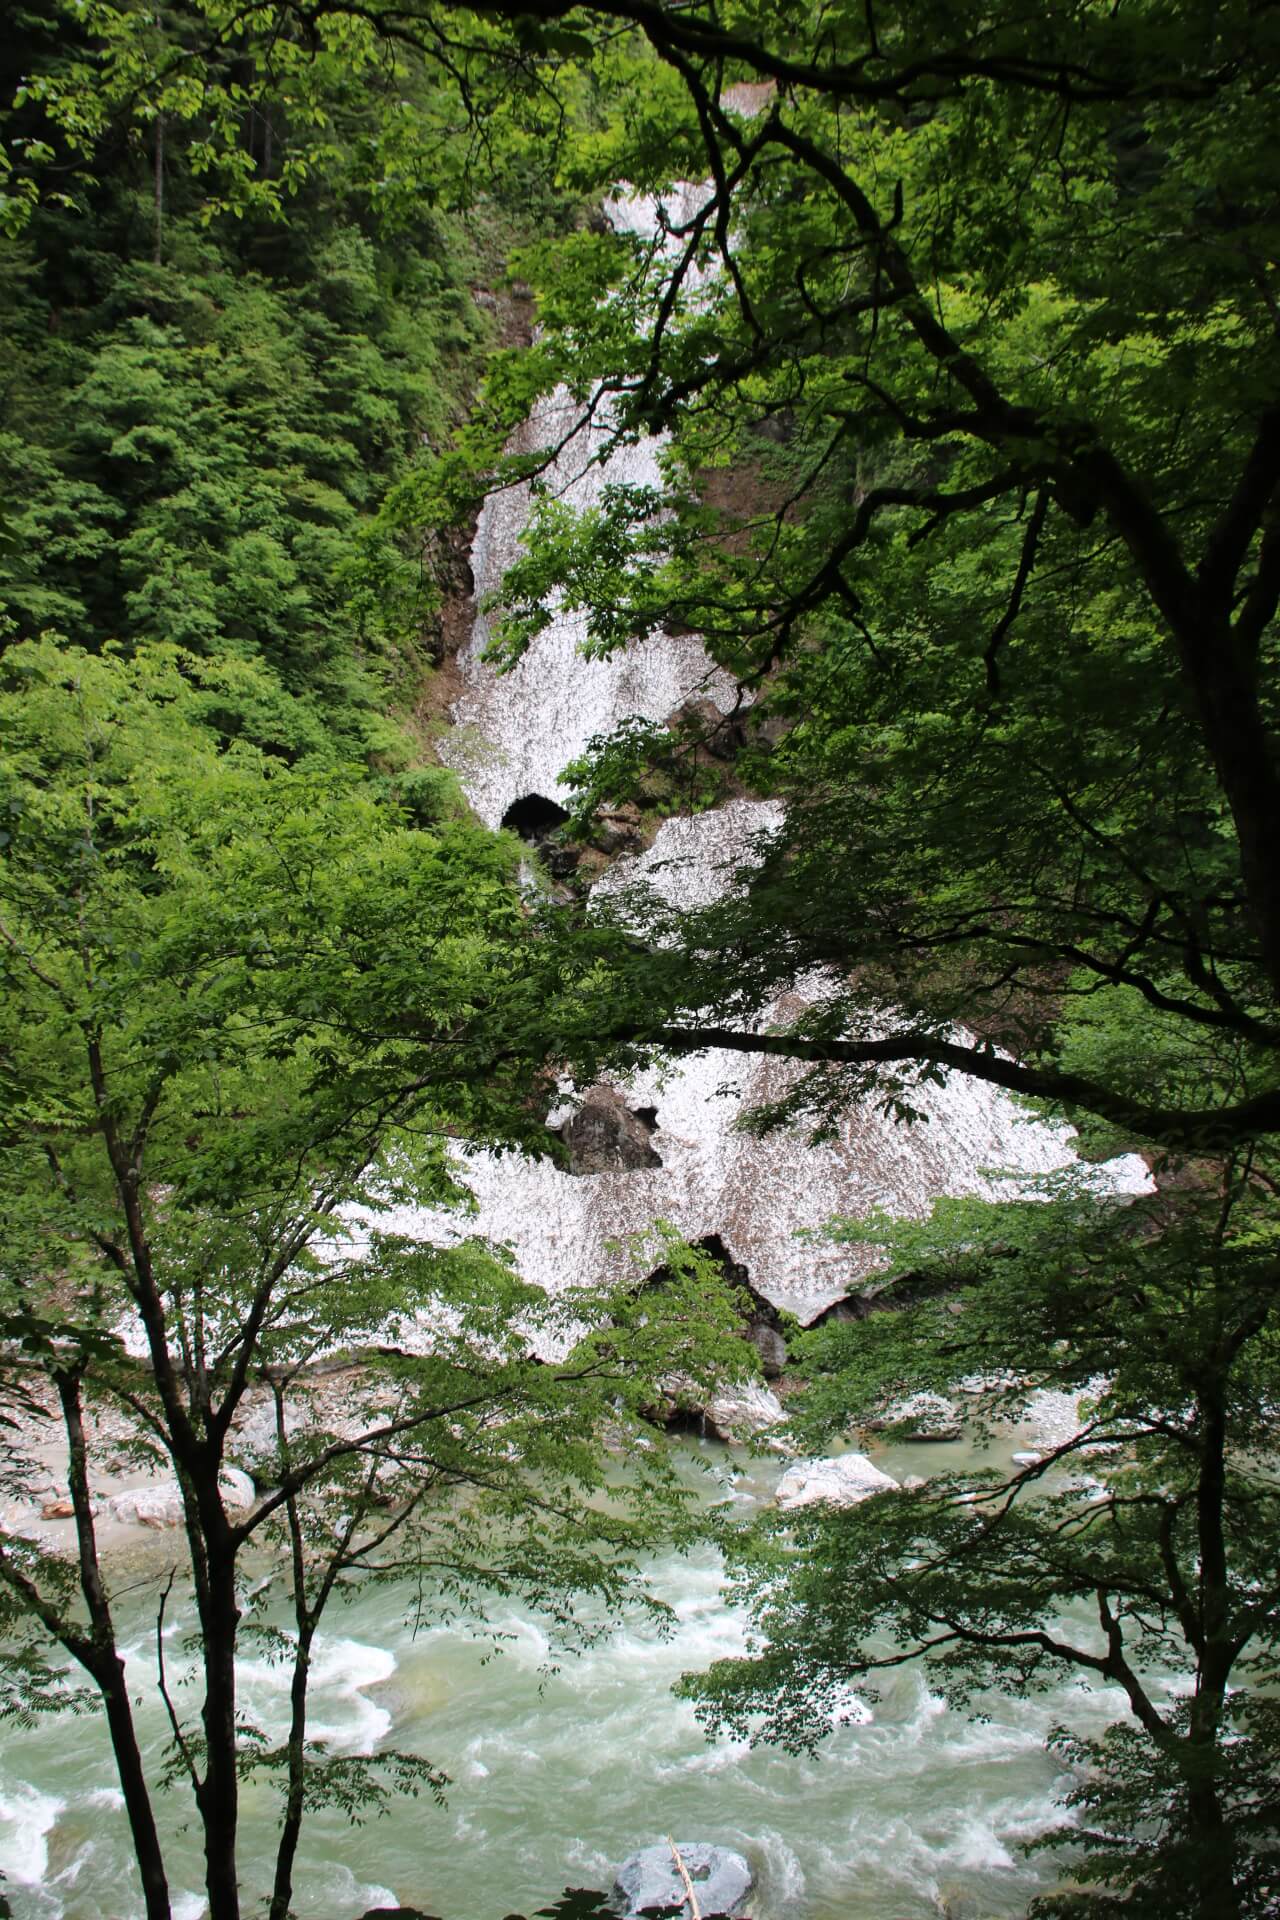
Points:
(921, 1416)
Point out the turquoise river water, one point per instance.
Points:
(556, 1778)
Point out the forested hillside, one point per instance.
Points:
(210, 392)
(923, 371)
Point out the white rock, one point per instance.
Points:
(512, 736)
(237, 1489)
(738, 1412)
(1054, 1416)
(160, 1504)
(842, 1481)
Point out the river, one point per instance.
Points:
(558, 1775)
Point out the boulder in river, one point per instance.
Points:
(841, 1481)
(721, 1879)
(396, 1913)
(922, 1416)
(160, 1504)
(740, 1410)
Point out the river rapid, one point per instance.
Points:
(557, 1775)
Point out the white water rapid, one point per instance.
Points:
(558, 1774)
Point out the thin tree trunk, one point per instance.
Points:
(107, 1667)
(1212, 1842)
(307, 1618)
(295, 1791)
(133, 1785)
(158, 255)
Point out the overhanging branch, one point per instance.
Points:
(1191, 1130)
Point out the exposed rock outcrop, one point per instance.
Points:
(538, 822)
(716, 733)
(513, 735)
(604, 1135)
(160, 1504)
(739, 1412)
(763, 1319)
(771, 1347)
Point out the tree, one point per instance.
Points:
(194, 449)
(246, 1009)
(997, 543)
(966, 351)
(1138, 1547)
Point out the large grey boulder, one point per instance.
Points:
(771, 1347)
(721, 1879)
(841, 1481)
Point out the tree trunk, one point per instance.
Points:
(133, 1785)
(1212, 1853)
(1209, 1834)
(1225, 688)
(219, 1790)
(291, 1827)
(158, 253)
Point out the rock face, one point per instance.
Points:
(771, 1347)
(841, 1481)
(721, 1878)
(720, 735)
(604, 1135)
(735, 1413)
(512, 736)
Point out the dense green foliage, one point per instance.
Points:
(225, 342)
(967, 356)
(966, 351)
(971, 479)
(1140, 1546)
(253, 996)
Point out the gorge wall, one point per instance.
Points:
(666, 1144)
